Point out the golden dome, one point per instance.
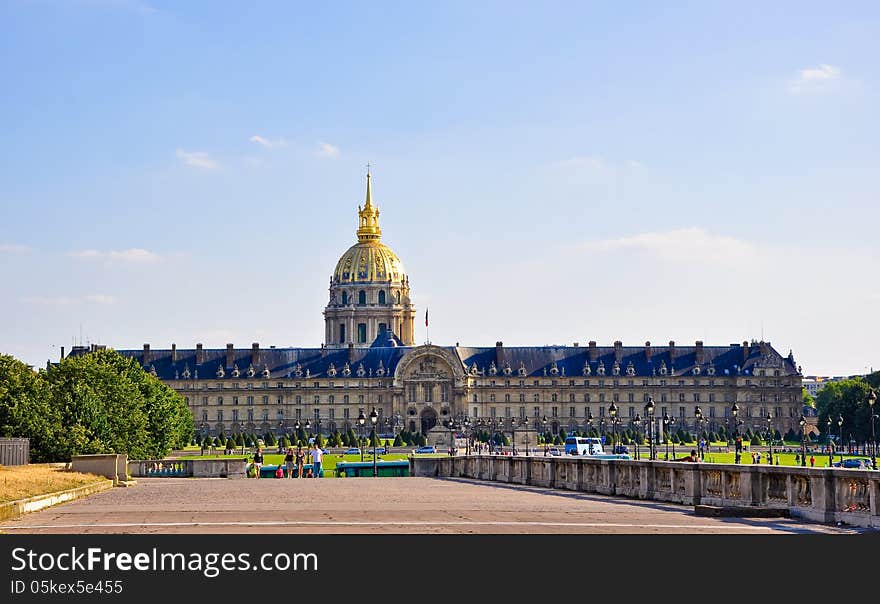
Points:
(369, 260)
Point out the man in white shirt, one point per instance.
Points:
(317, 457)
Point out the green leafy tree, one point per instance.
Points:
(848, 398)
(319, 440)
(398, 442)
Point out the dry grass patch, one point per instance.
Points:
(20, 482)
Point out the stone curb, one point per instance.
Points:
(16, 509)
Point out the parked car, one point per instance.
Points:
(858, 463)
(554, 451)
(352, 451)
(620, 449)
(428, 449)
(379, 451)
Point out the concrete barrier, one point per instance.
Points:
(819, 494)
(113, 466)
(14, 509)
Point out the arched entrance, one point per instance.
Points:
(429, 419)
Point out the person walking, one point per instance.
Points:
(317, 457)
(812, 461)
(258, 460)
(288, 462)
(300, 456)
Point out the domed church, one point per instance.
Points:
(369, 289)
(370, 360)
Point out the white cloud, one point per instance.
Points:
(589, 162)
(814, 78)
(13, 248)
(67, 300)
(327, 150)
(632, 163)
(265, 142)
(688, 245)
(133, 255)
(196, 159)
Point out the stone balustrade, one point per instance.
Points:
(223, 467)
(826, 495)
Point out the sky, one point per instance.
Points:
(548, 172)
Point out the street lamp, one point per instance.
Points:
(803, 423)
(698, 415)
(612, 411)
(840, 425)
(450, 423)
(830, 442)
(872, 398)
(361, 420)
(649, 408)
(374, 418)
(671, 425)
(666, 434)
(637, 421)
(204, 427)
(467, 434)
(737, 444)
(769, 419)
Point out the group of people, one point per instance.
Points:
(294, 458)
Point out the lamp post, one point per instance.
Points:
(698, 415)
(204, 427)
(666, 434)
(872, 398)
(769, 419)
(803, 423)
(374, 418)
(840, 446)
(612, 411)
(649, 415)
(671, 426)
(830, 442)
(637, 421)
(362, 419)
(450, 423)
(544, 428)
(737, 443)
(466, 422)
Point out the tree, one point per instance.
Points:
(808, 399)
(319, 440)
(849, 399)
(398, 442)
(230, 444)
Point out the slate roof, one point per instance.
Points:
(384, 355)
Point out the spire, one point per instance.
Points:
(368, 217)
(369, 202)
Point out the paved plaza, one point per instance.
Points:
(375, 505)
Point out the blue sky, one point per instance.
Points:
(548, 172)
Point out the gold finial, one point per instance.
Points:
(369, 201)
(368, 225)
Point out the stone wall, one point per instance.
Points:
(818, 494)
(113, 466)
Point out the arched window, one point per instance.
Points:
(382, 296)
(362, 297)
(345, 298)
(398, 297)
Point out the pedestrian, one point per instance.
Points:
(769, 458)
(288, 462)
(258, 460)
(812, 461)
(797, 459)
(317, 456)
(300, 456)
